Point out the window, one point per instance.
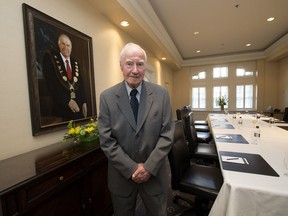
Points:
(220, 72)
(219, 91)
(244, 96)
(236, 82)
(200, 75)
(240, 72)
(199, 97)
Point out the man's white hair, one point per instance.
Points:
(128, 46)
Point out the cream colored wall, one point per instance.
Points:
(260, 81)
(16, 135)
(269, 77)
(271, 86)
(181, 96)
(283, 83)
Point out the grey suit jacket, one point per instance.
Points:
(125, 144)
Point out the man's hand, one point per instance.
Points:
(73, 106)
(141, 174)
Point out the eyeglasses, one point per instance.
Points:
(130, 64)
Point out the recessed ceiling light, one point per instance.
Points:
(270, 19)
(198, 51)
(163, 58)
(124, 23)
(196, 33)
(248, 44)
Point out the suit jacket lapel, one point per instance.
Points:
(124, 104)
(146, 101)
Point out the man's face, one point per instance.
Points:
(133, 67)
(65, 46)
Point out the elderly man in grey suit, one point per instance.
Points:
(136, 144)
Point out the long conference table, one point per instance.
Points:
(255, 175)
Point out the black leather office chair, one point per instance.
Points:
(202, 136)
(181, 112)
(204, 182)
(196, 122)
(198, 149)
(285, 116)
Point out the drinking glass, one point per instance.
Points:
(254, 121)
(240, 122)
(271, 122)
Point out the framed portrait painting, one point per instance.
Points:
(60, 73)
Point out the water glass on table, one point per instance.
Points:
(258, 117)
(271, 122)
(254, 121)
(240, 122)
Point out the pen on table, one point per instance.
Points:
(235, 158)
(246, 160)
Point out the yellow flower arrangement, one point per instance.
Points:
(85, 132)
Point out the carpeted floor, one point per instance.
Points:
(174, 208)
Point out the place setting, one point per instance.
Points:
(231, 138)
(233, 159)
(246, 162)
(223, 126)
(219, 120)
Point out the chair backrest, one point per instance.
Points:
(192, 128)
(190, 132)
(285, 116)
(181, 112)
(179, 157)
(189, 107)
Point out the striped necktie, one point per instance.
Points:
(134, 102)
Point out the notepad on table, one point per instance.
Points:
(232, 159)
(223, 137)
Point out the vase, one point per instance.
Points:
(222, 107)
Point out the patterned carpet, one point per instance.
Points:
(174, 208)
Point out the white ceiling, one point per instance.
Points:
(167, 27)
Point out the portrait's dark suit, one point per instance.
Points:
(59, 87)
(126, 143)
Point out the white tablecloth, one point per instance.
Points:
(250, 194)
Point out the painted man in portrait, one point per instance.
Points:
(63, 78)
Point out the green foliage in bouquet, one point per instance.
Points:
(87, 132)
(222, 100)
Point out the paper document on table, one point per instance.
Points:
(233, 159)
(223, 137)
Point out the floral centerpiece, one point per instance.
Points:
(222, 101)
(87, 133)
